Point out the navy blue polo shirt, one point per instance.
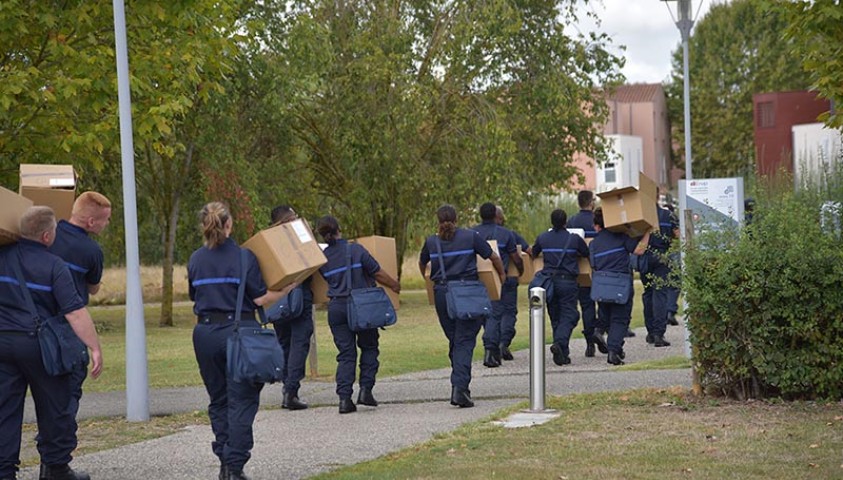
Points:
(610, 251)
(519, 240)
(213, 276)
(49, 282)
(363, 268)
(660, 241)
(489, 230)
(584, 219)
(82, 255)
(553, 244)
(458, 255)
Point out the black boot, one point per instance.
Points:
(237, 475)
(347, 406)
(659, 341)
(506, 354)
(629, 333)
(589, 348)
(489, 359)
(600, 343)
(223, 472)
(64, 472)
(648, 338)
(559, 357)
(291, 401)
(365, 397)
(461, 397)
(614, 359)
(671, 320)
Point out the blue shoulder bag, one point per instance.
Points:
(289, 307)
(61, 349)
(253, 354)
(466, 299)
(610, 287)
(368, 307)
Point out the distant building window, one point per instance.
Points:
(766, 115)
(609, 175)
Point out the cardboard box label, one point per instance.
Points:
(302, 231)
(61, 182)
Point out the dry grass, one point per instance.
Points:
(113, 290)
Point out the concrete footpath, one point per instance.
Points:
(414, 407)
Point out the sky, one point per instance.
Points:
(647, 30)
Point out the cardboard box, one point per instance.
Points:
(631, 210)
(50, 185)
(428, 285)
(14, 206)
(287, 253)
(488, 275)
(527, 276)
(318, 284)
(384, 251)
(583, 263)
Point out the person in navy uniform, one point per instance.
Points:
(593, 325)
(656, 293)
(509, 294)
(459, 250)
(213, 274)
(610, 252)
(365, 270)
(294, 334)
(561, 250)
(502, 309)
(83, 256)
(53, 292)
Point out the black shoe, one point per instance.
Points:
(489, 360)
(629, 333)
(291, 401)
(589, 348)
(506, 354)
(659, 341)
(233, 475)
(365, 397)
(671, 320)
(223, 472)
(601, 344)
(622, 355)
(63, 472)
(649, 338)
(347, 406)
(614, 359)
(461, 397)
(559, 357)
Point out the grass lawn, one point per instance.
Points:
(415, 343)
(642, 434)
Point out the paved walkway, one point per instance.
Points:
(414, 407)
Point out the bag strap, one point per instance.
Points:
(564, 251)
(241, 290)
(441, 261)
(15, 262)
(348, 278)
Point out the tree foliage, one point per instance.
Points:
(815, 31)
(736, 50)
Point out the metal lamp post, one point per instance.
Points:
(685, 22)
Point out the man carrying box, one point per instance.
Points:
(655, 296)
(509, 299)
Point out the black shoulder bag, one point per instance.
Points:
(545, 280)
(253, 354)
(61, 349)
(467, 299)
(368, 307)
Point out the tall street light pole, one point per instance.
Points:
(685, 22)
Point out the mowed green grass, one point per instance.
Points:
(415, 343)
(641, 434)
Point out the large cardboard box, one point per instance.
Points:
(631, 210)
(50, 185)
(428, 285)
(527, 276)
(384, 251)
(485, 270)
(14, 206)
(584, 264)
(318, 284)
(287, 253)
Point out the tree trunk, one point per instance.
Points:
(170, 242)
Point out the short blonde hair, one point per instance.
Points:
(89, 204)
(35, 221)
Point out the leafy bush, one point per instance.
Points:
(766, 303)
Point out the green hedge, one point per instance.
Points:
(766, 302)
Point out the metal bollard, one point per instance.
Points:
(537, 306)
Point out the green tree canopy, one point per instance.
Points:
(736, 50)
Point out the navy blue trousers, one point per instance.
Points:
(294, 337)
(77, 378)
(233, 405)
(462, 338)
(500, 327)
(563, 311)
(656, 299)
(21, 367)
(589, 311)
(347, 343)
(618, 316)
